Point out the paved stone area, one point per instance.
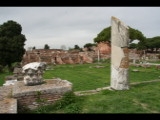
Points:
(7, 104)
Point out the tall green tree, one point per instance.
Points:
(105, 35)
(153, 43)
(46, 46)
(11, 43)
(136, 34)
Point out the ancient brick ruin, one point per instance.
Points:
(59, 56)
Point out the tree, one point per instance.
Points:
(153, 43)
(11, 43)
(105, 35)
(76, 47)
(133, 46)
(46, 46)
(89, 45)
(136, 34)
(34, 48)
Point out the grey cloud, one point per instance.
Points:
(77, 25)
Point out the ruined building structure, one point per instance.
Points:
(59, 56)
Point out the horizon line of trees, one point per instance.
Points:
(134, 34)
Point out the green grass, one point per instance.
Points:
(142, 98)
(144, 74)
(83, 77)
(88, 77)
(2, 77)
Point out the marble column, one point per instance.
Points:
(119, 54)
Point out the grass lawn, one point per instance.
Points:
(88, 77)
(83, 77)
(142, 98)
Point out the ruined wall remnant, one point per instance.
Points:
(58, 56)
(119, 55)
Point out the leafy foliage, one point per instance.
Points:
(105, 35)
(133, 45)
(46, 46)
(76, 47)
(89, 45)
(11, 43)
(152, 43)
(136, 34)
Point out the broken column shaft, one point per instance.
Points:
(119, 55)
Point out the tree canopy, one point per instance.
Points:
(89, 45)
(11, 43)
(105, 35)
(46, 46)
(152, 43)
(76, 47)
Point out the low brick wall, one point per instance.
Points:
(34, 101)
(35, 96)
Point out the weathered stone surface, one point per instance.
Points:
(119, 33)
(33, 73)
(9, 82)
(85, 57)
(8, 105)
(54, 56)
(119, 55)
(104, 48)
(10, 77)
(50, 86)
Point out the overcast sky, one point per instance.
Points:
(69, 26)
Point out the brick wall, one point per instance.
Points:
(44, 94)
(35, 101)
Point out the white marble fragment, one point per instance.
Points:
(119, 63)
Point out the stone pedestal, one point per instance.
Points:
(119, 55)
(35, 96)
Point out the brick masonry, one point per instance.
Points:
(35, 96)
